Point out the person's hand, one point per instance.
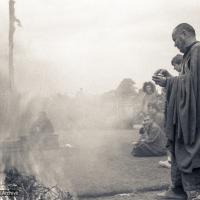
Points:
(162, 72)
(159, 80)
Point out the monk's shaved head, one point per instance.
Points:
(184, 27)
(183, 36)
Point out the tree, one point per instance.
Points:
(126, 88)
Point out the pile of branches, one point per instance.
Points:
(28, 188)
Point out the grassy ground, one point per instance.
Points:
(101, 164)
(133, 196)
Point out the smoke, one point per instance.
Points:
(83, 124)
(84, 127)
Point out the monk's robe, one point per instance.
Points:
(183, 111)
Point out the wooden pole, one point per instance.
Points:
(11, 42)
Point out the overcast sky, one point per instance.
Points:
(65, 45)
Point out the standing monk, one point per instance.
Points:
(183, 116)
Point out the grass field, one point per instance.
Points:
(97, 164)
(133, 196)
(101, 164)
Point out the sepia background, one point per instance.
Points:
(70, 44)
(84, 63)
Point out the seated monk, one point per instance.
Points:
(152, 142)
(42, 133)
(42, 125)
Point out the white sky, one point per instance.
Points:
(65, 45)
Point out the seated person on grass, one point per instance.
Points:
(42, 126)
(152, 142)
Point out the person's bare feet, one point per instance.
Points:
(165, 164)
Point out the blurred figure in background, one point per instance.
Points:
(149, 90)
(177, 62)
(156, 114)
(42, 125)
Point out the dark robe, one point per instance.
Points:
(183, 112)
(152, 145)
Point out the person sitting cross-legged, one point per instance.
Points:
(152, 141)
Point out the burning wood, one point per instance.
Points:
(29, 188)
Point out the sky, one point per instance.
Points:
(65, 45)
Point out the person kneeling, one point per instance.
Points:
(152, 140)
